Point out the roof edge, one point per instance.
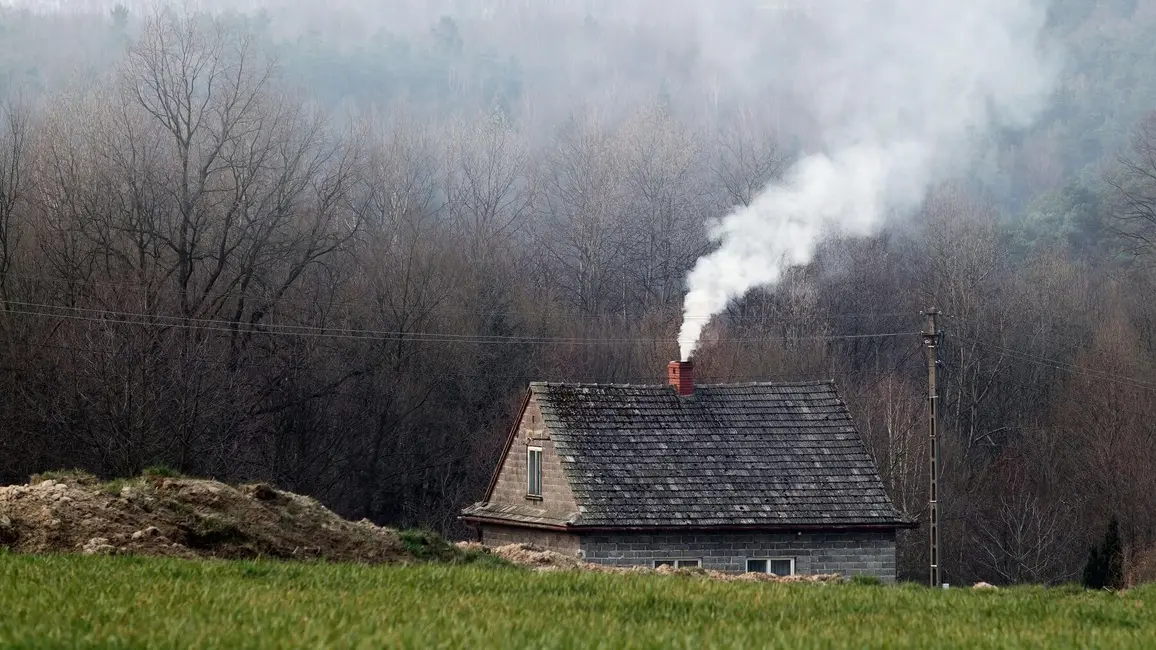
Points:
(770, 528)
(776, 528)
(509, 443)
(476, 519)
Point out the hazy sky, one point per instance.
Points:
(901, 93)
(886, 97)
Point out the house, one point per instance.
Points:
(769, 477)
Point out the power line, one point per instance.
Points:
(1065, 366)
(204, 324)
(454, 309)
(653, 379)
(883, 375)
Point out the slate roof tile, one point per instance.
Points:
(730, 454)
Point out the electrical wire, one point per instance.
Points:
(205, 324)
(883, 375)
(1064, 366)
(445, 308)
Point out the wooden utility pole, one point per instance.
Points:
(931, 344)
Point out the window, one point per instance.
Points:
(534, 472)
(779, 566)
(678, 564)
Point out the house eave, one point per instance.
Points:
(764, 528)
(697, 528)
(474, 519)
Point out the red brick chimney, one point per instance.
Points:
(681, 376)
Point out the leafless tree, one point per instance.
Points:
(1027, 535)
(581, 213)
(14, 184)
(667, 203)
(487, 185)
(748, 158)
(197, 267)
(1134, 180)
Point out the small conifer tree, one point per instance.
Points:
(1105, 567)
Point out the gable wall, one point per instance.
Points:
(510, 488)
(870, 553)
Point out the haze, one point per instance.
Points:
(342, 284)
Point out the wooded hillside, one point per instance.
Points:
(255, 255)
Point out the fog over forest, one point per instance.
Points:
(328, 244)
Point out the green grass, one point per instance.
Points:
(125, 602)
(428, 546)
(161, 471)
(74, 475)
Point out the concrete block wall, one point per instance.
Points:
(565, 543)
(848, 554)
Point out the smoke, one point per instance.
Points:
(901, 93)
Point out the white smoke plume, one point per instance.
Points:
(901, 93)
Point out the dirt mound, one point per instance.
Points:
(532, 556)
(183, 517)
(541, 559)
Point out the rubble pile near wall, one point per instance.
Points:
(529, 555)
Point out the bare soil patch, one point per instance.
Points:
(183, 517)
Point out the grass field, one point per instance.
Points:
(122, 602)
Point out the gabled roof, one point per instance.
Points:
(743, 455)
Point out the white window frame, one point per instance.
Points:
(530, 451)
(677, 562)
(768, 560)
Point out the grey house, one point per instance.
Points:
(769, 477)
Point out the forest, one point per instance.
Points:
(330, 253)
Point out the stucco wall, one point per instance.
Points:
(848, 554)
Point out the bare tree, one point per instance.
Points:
(14, 184)
(1027, 536)
(202, 198)
(667, 204)
(1109, 442)
(1134, 180)
(965, 259)
(748, 158)
(580, 209)
(406, 281)
(487, 185)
